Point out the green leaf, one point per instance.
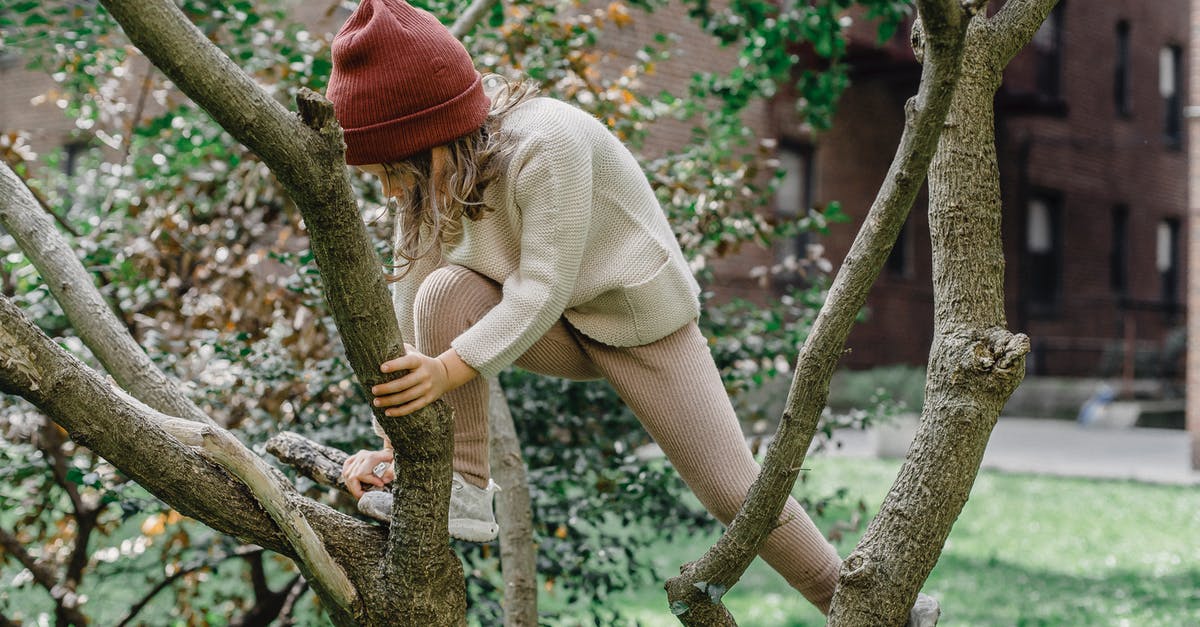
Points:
(679, 608)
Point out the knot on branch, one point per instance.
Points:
(697, 602)
(858, 568)
(315, 110)
(1000, 351)
(18, 360)
(916, 38)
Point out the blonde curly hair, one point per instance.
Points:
(445, 184)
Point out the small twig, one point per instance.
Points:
(299, 587)
(64, 599)
(50, 443)
(470, 17)
(241, 551)
(8, 286)
(272, 492)
(45, 205)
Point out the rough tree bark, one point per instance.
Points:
(130, 435)
(975, 362)
(694, 595)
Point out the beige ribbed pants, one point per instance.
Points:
(673, 387)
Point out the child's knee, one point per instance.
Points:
(450, 300)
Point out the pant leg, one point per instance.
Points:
(673, 386)
(449, 301)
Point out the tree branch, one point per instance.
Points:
(90, 315)
(306, 153)
(289, 604)
(44, 204)
(184, 570)
(129, 435)
(276, 497)
(314, 460)
(163, 33)
(974, 363)
(50, 444)
(518, 553)
(65, 600)
(695, 594)
(1013, 26)
(470, 17)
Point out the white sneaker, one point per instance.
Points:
(925, 612)
(471, 516)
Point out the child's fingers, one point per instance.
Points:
(409, 395)
(408, 408)
(354, 487)
(407, 362)
(398, 385)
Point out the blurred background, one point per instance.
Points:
(766, 141)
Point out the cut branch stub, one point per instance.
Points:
(314, 460)
(315, 110)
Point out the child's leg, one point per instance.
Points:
(450, 300)
(674, 388)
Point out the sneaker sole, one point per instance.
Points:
(473, 530)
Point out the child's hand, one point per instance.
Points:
(360, 467)
(426, 381)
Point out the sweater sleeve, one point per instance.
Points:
(553, 193)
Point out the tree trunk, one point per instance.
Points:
(518, 553)
(975, 363)
(694, 595)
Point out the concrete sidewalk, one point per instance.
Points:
(1059, 447)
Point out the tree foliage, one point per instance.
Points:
(202, 255)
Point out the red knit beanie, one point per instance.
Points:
(401, 83)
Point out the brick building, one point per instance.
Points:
(1090, 146)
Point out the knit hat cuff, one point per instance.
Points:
(404, 137)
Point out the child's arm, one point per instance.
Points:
(359, 468)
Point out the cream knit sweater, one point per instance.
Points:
(575, 231)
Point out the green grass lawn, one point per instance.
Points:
(1028, 550)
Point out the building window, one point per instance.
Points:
(1170, 83)
(1042, 245)
(1121, 74)
(1047, 46)
(1166, 259)
(1118, 260)
(899, 260)
(793, 199)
